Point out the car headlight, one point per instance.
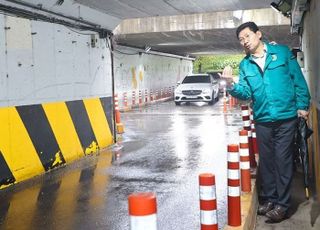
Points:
(177, 91)
(222, 83)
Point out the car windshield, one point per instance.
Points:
(196, 79)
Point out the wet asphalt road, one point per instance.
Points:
(163, 150)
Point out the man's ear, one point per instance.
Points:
(259, 34)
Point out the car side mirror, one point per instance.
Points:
(178, 83)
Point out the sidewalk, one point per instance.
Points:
(303, 215)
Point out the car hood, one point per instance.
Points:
(194, 86)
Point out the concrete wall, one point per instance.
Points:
(146, 73)
(311, 48)
(55, 97)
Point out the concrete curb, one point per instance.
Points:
(249, 205)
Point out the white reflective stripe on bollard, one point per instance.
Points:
(233, 174)
(143, 222)
(246, 123)
(207, 192)
(234, 191)
(208, 217)
(244, 152)
(243, 139)
(233, 157)
(245, 165)
(245, 113)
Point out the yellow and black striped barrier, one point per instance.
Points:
(37, 138)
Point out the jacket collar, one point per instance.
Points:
(271, 53)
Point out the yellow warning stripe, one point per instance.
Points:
(16, 146)
(98, 122)
(18, 149)
(64, 131)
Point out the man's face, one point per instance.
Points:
(249, 40)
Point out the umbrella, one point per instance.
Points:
(303, 133)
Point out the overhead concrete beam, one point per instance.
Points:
(198, 34)
(204, 21)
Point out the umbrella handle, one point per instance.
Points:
(307, 193)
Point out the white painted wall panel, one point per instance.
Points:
(3, 65)
(44, 62)
(81, 62)
(20, 60)
(64, 62)
(100, 71)
(48, 62)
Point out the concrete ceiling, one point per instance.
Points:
(124, 9)
(205, 42)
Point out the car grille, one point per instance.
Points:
(191, 92)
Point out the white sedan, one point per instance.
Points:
(197, 88)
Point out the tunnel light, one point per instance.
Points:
(283, 6)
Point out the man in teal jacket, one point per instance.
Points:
(271, 77)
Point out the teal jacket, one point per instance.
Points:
(278, 91)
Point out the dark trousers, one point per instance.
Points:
(275, 143)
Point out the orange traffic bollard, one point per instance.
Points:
(247, 126)
(116, 108)
(140, 97)
(146, 96)
(208, 202)
(234, 206)
(224, 104)
(143, 211)
(151, 95)
(254, 139)
(119, 125)
(125, 100)
(231, 101)
(244, 161)
(133, 98)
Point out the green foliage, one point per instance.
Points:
(204, 64)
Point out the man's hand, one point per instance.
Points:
(227, 75)
(303, 113)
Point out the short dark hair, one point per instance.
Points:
(251, 25)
